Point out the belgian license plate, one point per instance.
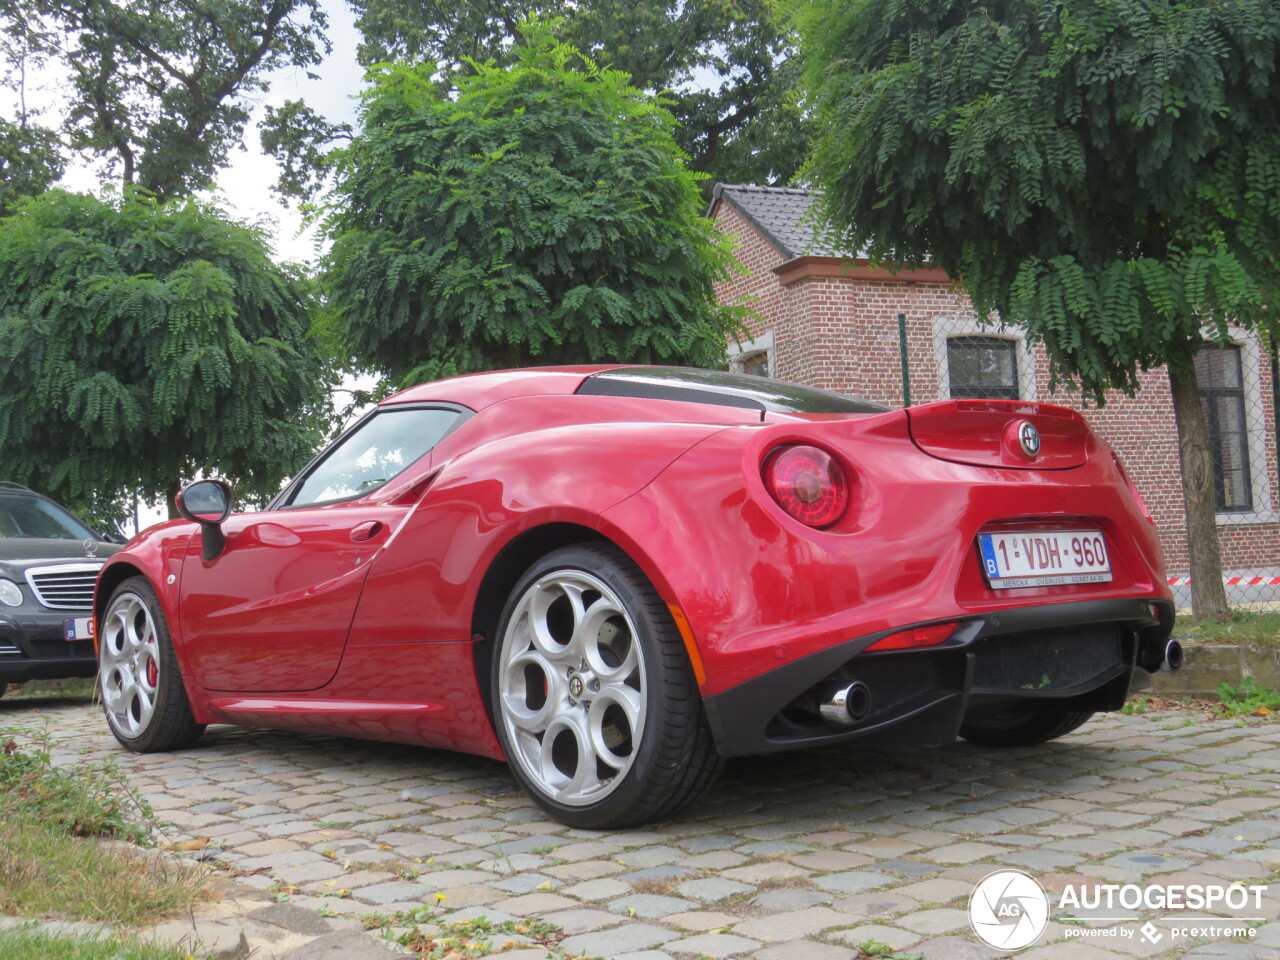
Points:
(77, 628)
(1044, 558)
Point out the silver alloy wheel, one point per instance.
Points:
(129, 671)
(572, 687)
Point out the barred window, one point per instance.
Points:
(1219, 371)
(755, 364)
(982, 367)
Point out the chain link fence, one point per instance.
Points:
(957, 357)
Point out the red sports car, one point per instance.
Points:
(615, 576)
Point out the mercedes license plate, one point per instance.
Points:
(78, 628)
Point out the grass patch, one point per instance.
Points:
(1253, 628)
(33, 944)
(1249, 699)
(463, 940)
(51, 862)
(87, 800)
(1142, 703)
(875, 950)
(74, 687)
(47, 873)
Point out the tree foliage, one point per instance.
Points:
(162, 88)
(1104, 172)
(31, 154)
(723, 67)
(143, 342)
(30, 161)
(542, 215)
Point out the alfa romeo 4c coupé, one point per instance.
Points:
(614, 577)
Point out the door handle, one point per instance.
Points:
(366, 531)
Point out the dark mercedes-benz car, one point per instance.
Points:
(49, 561)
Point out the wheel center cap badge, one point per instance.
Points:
(1029, 438)
(576, 687)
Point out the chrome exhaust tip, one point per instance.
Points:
(1173, 655)
(848, 705)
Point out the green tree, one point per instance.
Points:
(543, 214)
(30, 161)
(142, 342)
(162, 88)
(31, 155)
(723, 67)
(1105, 173)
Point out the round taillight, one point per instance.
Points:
(808, 483)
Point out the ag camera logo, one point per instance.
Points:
(1008, 910)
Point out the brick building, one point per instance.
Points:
(824, 318)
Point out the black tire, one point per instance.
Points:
(637, 650)
(139, 680)
(1021, 727)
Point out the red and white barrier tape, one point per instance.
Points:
(1232, 581)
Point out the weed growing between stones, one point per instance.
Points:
(420, 931)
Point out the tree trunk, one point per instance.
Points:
(171, 501)
(1208, 595)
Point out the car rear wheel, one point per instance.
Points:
(1021, 727)
(594, 698)
(142, 692)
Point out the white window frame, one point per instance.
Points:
(739, 351)
(1255, 429)
(944, 328)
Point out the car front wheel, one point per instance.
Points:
(594, 698)
(142, 692)
(1020, 727)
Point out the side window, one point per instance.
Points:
(1220, 375)
(373, 452)
(982, 368)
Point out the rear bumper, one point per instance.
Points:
(33, 648)
(1066, 656)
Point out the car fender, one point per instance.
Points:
(156, 554)
(424, 582)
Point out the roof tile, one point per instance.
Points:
(785, 215)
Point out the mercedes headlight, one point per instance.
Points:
(9, 593)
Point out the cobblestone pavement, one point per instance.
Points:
(791, 857)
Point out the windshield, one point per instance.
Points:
(30, 518)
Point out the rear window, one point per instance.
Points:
(722, 389)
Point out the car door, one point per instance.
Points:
(272, 610)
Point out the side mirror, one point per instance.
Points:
(208, 503)
(112, 536)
